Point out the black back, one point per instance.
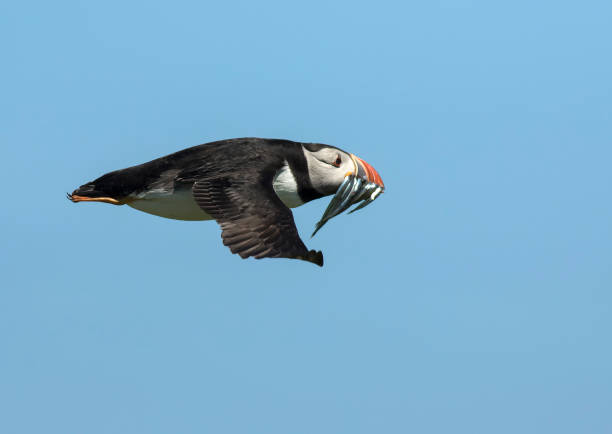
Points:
(229, 156)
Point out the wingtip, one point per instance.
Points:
(316, 257)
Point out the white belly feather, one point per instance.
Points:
(180, 204)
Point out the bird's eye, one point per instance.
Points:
(338, 161)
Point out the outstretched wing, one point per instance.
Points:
(254, 221)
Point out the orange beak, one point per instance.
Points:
(366, 171)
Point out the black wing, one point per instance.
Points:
(255, 222)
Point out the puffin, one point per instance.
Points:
(248, 185)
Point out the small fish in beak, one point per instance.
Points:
(363, 185)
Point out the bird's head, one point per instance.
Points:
(348, 177)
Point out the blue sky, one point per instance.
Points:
(473, 297)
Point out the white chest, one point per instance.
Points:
(286, 188)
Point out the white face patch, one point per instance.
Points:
(286, 188)
(327, 168)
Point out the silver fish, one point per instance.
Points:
(353, 190)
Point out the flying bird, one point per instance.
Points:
(248, 186)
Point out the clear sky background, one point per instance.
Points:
(473, 297)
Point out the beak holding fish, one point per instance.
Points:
(364, 185)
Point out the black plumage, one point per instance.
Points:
(231, 180)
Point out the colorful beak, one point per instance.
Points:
(363, 185)
(365, 171)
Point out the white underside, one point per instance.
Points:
(180, 204)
